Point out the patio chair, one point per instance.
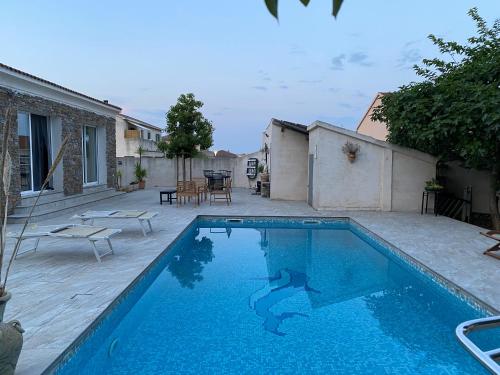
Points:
(223, 193)
(187, 189)
(68, 231)
(201, 185)
(494, 235)
(144, 217)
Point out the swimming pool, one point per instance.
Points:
(279, 295)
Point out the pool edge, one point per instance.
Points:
(443, 282)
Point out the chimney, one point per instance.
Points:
(105, 101)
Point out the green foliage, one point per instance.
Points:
(140, 173)
(272, 6)
(187, 129)
(454, 113)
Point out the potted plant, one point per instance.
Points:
(11, 333)
(140, 175)
(351, 150)
(433, 185)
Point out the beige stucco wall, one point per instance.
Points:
(375, 129)
(383, 177)
(288, 164)
(409, 173)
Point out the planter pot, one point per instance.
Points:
(142, 184)
(264, 177)
(3, 302)
(351, 156)
(433, 189)
(11, 342)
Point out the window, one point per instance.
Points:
(89, 154)
(142, 134)
(158, 138)
(149, 135)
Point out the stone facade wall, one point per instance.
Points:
(72, 121)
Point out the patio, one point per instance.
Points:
(61, 289)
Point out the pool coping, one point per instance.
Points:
(450, 286)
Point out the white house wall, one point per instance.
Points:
(383, 176)
(288, 170)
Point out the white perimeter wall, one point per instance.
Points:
(162, 171)
(383, 177)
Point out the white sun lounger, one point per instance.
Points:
(144, 217)
(70, 231)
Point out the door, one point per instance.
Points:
(35, 154)
(89, 155)
(310, 187)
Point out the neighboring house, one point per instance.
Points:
(132, 133)
(367, 126)
(43, 114)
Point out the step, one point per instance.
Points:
(65, 201)
(51, 195)
(61, 210)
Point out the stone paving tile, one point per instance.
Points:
(59, 290)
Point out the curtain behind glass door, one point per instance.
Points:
(90, 152)
(40, 149)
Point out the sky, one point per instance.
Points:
(233, 55)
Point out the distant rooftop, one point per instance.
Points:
(225, 154)
(135, 121)
(290, 125)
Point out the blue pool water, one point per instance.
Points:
(279, 296)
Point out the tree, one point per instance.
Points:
(272, 6)
(454, 113)
(188, 130)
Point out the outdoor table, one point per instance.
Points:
(425, 198)
(169, 193)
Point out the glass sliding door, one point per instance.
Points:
(24, 139)
(35, 154)
(89, 155)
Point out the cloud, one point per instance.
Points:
(409, 57)
(262, 88)
(313, 81)
(345, 105)
(334, 89)
(297, 50)
(338, 62)
(359, 58)
(263, 75)
(283, 87)
(356, 58)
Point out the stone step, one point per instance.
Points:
(51, 195)
(61, 207)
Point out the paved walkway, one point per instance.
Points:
(61, 289)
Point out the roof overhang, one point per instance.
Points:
(24, 83)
